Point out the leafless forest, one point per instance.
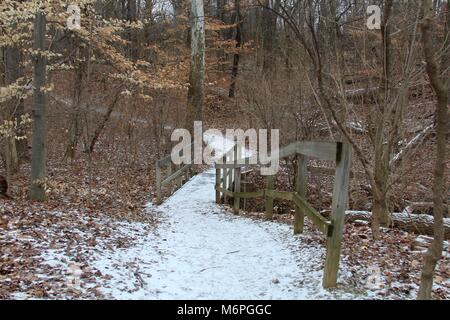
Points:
(91, 94)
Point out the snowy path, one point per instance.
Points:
(202, 252)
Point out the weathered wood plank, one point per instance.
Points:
(224, 179)
(226, 192)
(169, 171)
(175, 175)
(218, 181)
(230, 171)
(281, 195)
(164, 161)
(168, 159)
(158, 185)
(320, 150)
(319, 221)
(300, 188)
(251, 195)
(289, 150)
(340, 198)
(237, 180)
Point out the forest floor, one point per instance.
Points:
(190, 248)
(199, 251)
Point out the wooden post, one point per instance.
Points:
(269, 200)
(218, 171)
(237, 179)
(180, 180)
(182, 176)
(340, 198)
(230, 172)
(300, 188)
(188, 174)
(169, 173)
(158, 184)
(224, 180)
(237, 189)
(244, 178)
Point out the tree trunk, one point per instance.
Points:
(132, 34)
(440, 86)
(236, 58)
(382, 169)
(381, 211)
(103, 123)
(416, 223)
(220, 10)
(197, 69)
(74, 130)
(13, 72)
(39, 151)
(269, 32)
(177, 6)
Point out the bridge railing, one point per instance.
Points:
(228, 185)
(170, 176)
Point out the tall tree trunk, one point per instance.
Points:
(220, 9)
(197, 69)
(446, 64)
(440, 187)
(103, 122)
(133, 35)
(177, 6)
(39, 151)
(269, 30)
(381, 170)
(75, 126)
(123, 9)
(237, 54)
(14, 147)
(148, 15)
(221, 15)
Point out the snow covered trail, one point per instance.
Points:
(202, 252)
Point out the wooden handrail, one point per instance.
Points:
(320, 150)
(319, 221)
(177, 176)
(339, 152)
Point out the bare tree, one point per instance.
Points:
(269, 28)
(132, 12)
(39, 150)
(237, 55)
(12, 74)
(439, 81)
(197, 69)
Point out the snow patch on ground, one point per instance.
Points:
(202, 252)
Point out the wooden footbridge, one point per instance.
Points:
(229, 186)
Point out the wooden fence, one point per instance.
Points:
(170, 176)
(228, 185)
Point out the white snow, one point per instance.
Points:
(221, 146)
(202, 252)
